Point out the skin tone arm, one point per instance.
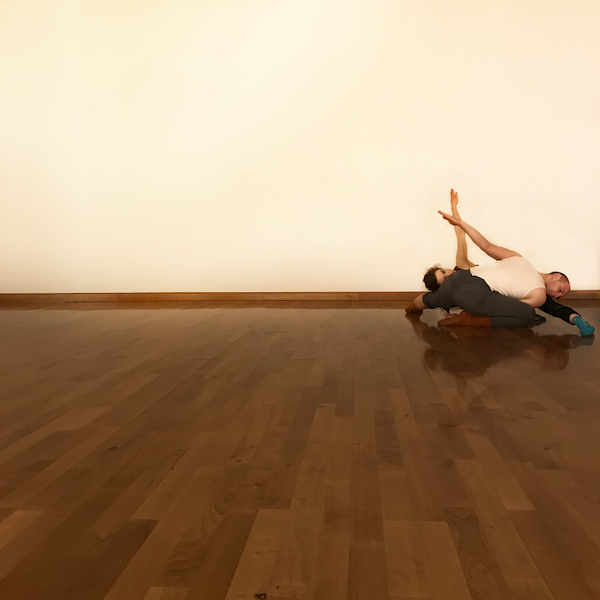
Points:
(417, 305)
(496, 252)
(462, 260)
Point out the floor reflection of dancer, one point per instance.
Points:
(545, 352)
(487, 293)
(464, 355)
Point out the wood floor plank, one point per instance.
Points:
(145, 566)
(212, 570)
(88, 476)
(511, 554)
(40, 481)
(14, 524)
(255, 569)
(333, 542)
(481, 571)
(278, 592)
(298, 542)
(395, 501)
(177, 513)
(20, 547)
(405, 560)
(443, 572)
(25, 580)
(163, 593)
(508, 489)
(566, 555)
(73, 419)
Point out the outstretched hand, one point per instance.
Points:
(451, 219)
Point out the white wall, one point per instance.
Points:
(292, 145)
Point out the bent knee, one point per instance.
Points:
(527, 317)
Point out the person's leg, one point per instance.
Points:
(476, 298)
(465, 319)
(462, 260)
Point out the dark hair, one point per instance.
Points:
(562, 276)
(430, 281)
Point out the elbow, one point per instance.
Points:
(487, 247)
(492, 251)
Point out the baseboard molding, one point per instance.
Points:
(235, 296)
(581, 295)
(205, 297)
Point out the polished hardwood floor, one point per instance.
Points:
(295, 451)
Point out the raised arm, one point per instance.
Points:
(462, 259)
(497, 252)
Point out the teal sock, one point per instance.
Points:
(539, 319)
(584, 327)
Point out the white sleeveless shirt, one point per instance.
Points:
(514, 276)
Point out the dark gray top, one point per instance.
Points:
(443, 297)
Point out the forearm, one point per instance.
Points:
(560, 311)
(418, 302)
(477, 238)
(462, 260)
(417, 305)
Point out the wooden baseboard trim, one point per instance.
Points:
(235, 296)
(206, 296)
(581, 295)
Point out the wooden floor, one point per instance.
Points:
(295, 451)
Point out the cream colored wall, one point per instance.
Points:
(279, 145)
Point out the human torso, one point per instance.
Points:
(514, 276)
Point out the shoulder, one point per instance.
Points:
(442, 297)
(537, 296)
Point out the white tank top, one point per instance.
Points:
(514, 276)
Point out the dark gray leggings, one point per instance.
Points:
(474, 295)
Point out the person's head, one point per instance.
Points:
(557, 285)
(435, 276)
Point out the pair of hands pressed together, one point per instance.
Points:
(451, 218)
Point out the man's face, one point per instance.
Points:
(557, 287)
(441, 274)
